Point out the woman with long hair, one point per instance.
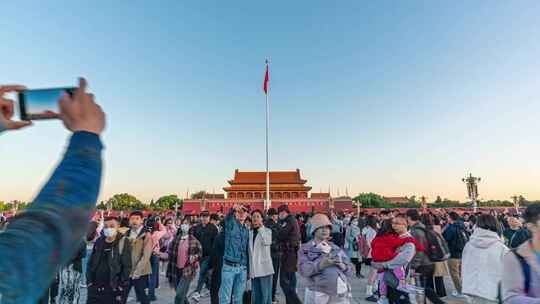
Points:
(441, 269)
(369, 232)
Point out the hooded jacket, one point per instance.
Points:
(482, 269)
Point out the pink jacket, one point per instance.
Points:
(156, 236)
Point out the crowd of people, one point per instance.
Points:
(52, 250)
(244, 255)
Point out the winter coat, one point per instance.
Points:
(119, 261)
(289, 242)
(325, 281)
(260, 258)
(481, 268)
(513, 280)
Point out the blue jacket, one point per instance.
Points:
(48, 233)
(236, 240)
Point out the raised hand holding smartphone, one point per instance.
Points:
(7, 109)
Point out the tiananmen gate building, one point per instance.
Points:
(249, 188)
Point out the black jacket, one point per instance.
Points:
(289, 243)
(119, 264)
(206, 236)
(274, 249)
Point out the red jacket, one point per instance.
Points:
(384, 248)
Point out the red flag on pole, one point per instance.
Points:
(266, 80)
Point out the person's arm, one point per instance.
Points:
(405, 256)
(160, 232)
(48, 232)
(230, 220)
(349, 267)
(513, 281)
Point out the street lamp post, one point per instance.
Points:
(472, 189)
(423, 201)
(515, 200)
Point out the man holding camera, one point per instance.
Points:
(47, 234)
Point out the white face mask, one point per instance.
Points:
(109, 232)
(324, 247)
(184, 227)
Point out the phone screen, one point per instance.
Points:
(42, 103)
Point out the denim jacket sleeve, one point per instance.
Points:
(230, 221)
(48, 233)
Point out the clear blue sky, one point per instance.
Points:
(395, 97)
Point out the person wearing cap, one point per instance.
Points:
(272, 223)
(235, 257)
(324, 267)
(289, 242)
(521, 267)
(205, 233)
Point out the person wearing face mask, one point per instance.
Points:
(184, 255)
(109, 265)
(324, 267)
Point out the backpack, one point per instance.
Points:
(461, 239)
(436, 247)
(526, 273)
(363, 246)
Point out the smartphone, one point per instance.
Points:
(42, 103)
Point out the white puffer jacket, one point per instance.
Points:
(481, 269)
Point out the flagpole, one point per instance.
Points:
(268, 204)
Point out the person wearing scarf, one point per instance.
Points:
(184, 255)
